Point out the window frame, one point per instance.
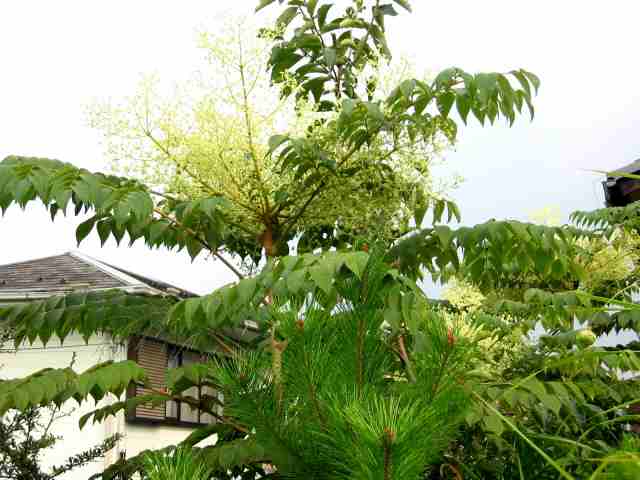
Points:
(170, 349)
(174, 350)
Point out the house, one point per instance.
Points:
(620, 191)
(147, 427)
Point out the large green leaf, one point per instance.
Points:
(118, 313)
(120, 205)
(492, 254)
(59, 385)
(99, 415)
(605, 219)
(289, 279)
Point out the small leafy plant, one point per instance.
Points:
(24, 438)
(179, 464)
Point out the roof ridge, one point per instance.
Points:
(35, 259)
(107, 269)
(113, 275)
(152, 282)
(133, 278)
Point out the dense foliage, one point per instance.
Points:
(353, 373)
(212, 138)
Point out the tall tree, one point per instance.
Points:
(349, 151)
(213, 138)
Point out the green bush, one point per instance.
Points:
(179, 464)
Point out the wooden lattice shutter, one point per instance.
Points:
(152, 356)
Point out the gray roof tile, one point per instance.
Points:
(55, 274)
(71, 271)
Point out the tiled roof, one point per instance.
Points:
(160, 285)
(72, 271)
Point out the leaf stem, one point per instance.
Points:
(513, 427)
(215, 252)
(405, 358)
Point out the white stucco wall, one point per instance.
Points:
(32, 358)
(137, 438)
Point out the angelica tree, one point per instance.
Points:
(211, 137)
(356, 160)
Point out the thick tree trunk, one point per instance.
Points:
(268, 242)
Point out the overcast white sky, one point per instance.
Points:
(56, 56)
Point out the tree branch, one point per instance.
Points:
(314, 194)
(214, 251)
(405, 358)
(247, 119)
(169, 155)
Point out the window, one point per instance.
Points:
(156, 357)
(181, 412)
